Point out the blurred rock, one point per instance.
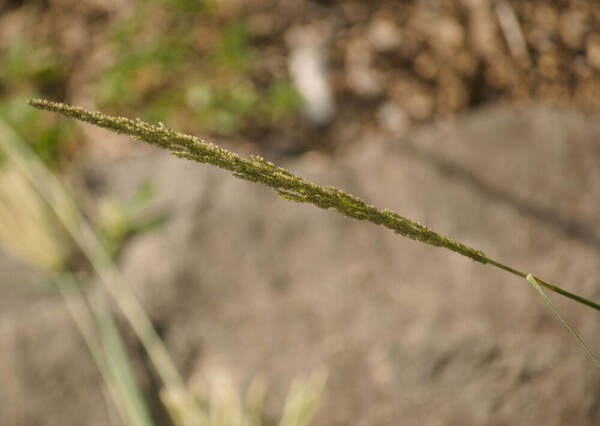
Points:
(593, 51)
(393, 118)
(308, 68)
(384, 34)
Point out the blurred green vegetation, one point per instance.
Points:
(186, 63)
(191, 68)
(183, 62)
(49, 138)
(26, 69)
(26, 63)
(118, 221)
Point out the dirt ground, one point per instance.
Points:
(477, 119)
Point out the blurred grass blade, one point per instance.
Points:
(303, 399)
(30, 230)
(119, 364)
(182, 406)
(587, 350)
(255, 401)
(85, 323)
(53, 192)
(105, 346)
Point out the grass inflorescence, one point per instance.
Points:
(257, 169)
(287, 185)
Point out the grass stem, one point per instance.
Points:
(287, 185)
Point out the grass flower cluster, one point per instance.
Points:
(287, 185)
(257, 169)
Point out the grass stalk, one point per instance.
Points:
(287, 185)
(533, 281)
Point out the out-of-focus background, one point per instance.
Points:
(477, 118)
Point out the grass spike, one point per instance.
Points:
(287, 185)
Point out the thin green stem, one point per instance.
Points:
(287, 185)
(549, 286)
(536, 284)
